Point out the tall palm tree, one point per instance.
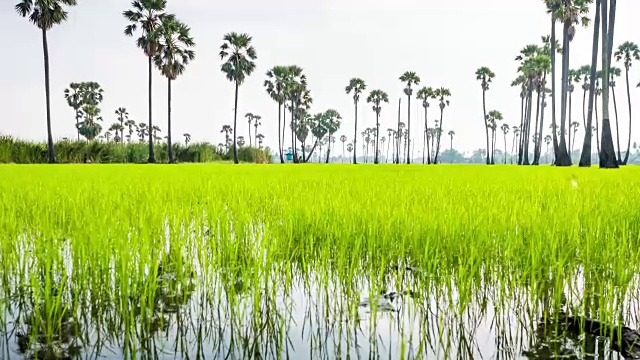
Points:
(628, 52)
(575, 76)
(409, 78)
(505, 131)
(516, 135)
(615, 72)
(131, 124)
(343, 139)
(239, 62)
(123, 115)
(187, 139)
(117, 129)
(493, 117)
(249, 117)
(485, 76)
(332, 124)
(44, 15)
(356, 86)
(174, 53)
(227, 130)
(584, 71)
(425, 94)
(451, 134)
(298, 94)
(570, 13)
(147, 15)
(73, 95)
(377, 97)
(256, 124)
(275, 86)
(575, 125)
(442, 94)
(585, 157)
(607, 152)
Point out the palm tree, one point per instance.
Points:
(249, 117)
(187, 139)
(575, 76)
(174, 53)
(241, 141)
(44, 15)
(516, 135)
(505, 131)
(256, 123)
(356, 86)
(143, 131)
(409, 78)
(343, 138)
(73, 95)
(628, 52)
(608, 153)
(377, 97)
(585, 157)
(117, 129)
(392, 138)
(451, 134)
(239, 62)
(425, 94)
(613, 73)
(131, 124)
(442, 94)
(147, 15)
(298, 94)
(259, 139)
(584, 71)
(275, 86)
(122, 115)
(575, 125)
(227, 129)
(547, 140)
(485, 76)
(493, 117)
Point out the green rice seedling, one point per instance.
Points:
(273, 261)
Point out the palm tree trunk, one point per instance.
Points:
(608, 152)
(505, 148)
(486, 126)
(493, 147)
(152, 157)
(398, 141)
(519, 138)
(585, 156)
(355, 132)
(250, 135)
(597, 127)
(626, 156)
(407, 148)
(584, 111)
(615, 111)
(293, 136)
(235, 122)
(47, 89)
(562, 157)
(375, 160)
(170, 148)
(553, 84)
(525, 139)
(569, 132)
(279, 130)
(535, 129)
(328, 149)
(425, 140)
(541, 127)
(435, 161)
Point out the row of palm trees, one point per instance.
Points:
(536, 63)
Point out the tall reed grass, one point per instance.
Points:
(258, 261)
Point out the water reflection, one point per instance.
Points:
(182, 307)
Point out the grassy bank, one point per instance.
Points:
(230, 246)
(26, 152)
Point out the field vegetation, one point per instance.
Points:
(275, 261)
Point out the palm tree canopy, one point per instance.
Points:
(485, 75)
(425, 94)
(628, 51)
(174, 43)
(239, 56)
(276, 82)
(146, 15)
(357, 86)
(44, 13)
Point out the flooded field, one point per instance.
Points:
(318, 262)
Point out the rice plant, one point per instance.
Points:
(263, 261)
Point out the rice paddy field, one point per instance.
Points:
(318, 262)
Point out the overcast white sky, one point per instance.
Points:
(332, 40)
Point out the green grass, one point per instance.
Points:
(85, 247)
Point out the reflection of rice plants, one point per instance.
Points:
(254, 261)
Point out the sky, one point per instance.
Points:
(444, 42)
